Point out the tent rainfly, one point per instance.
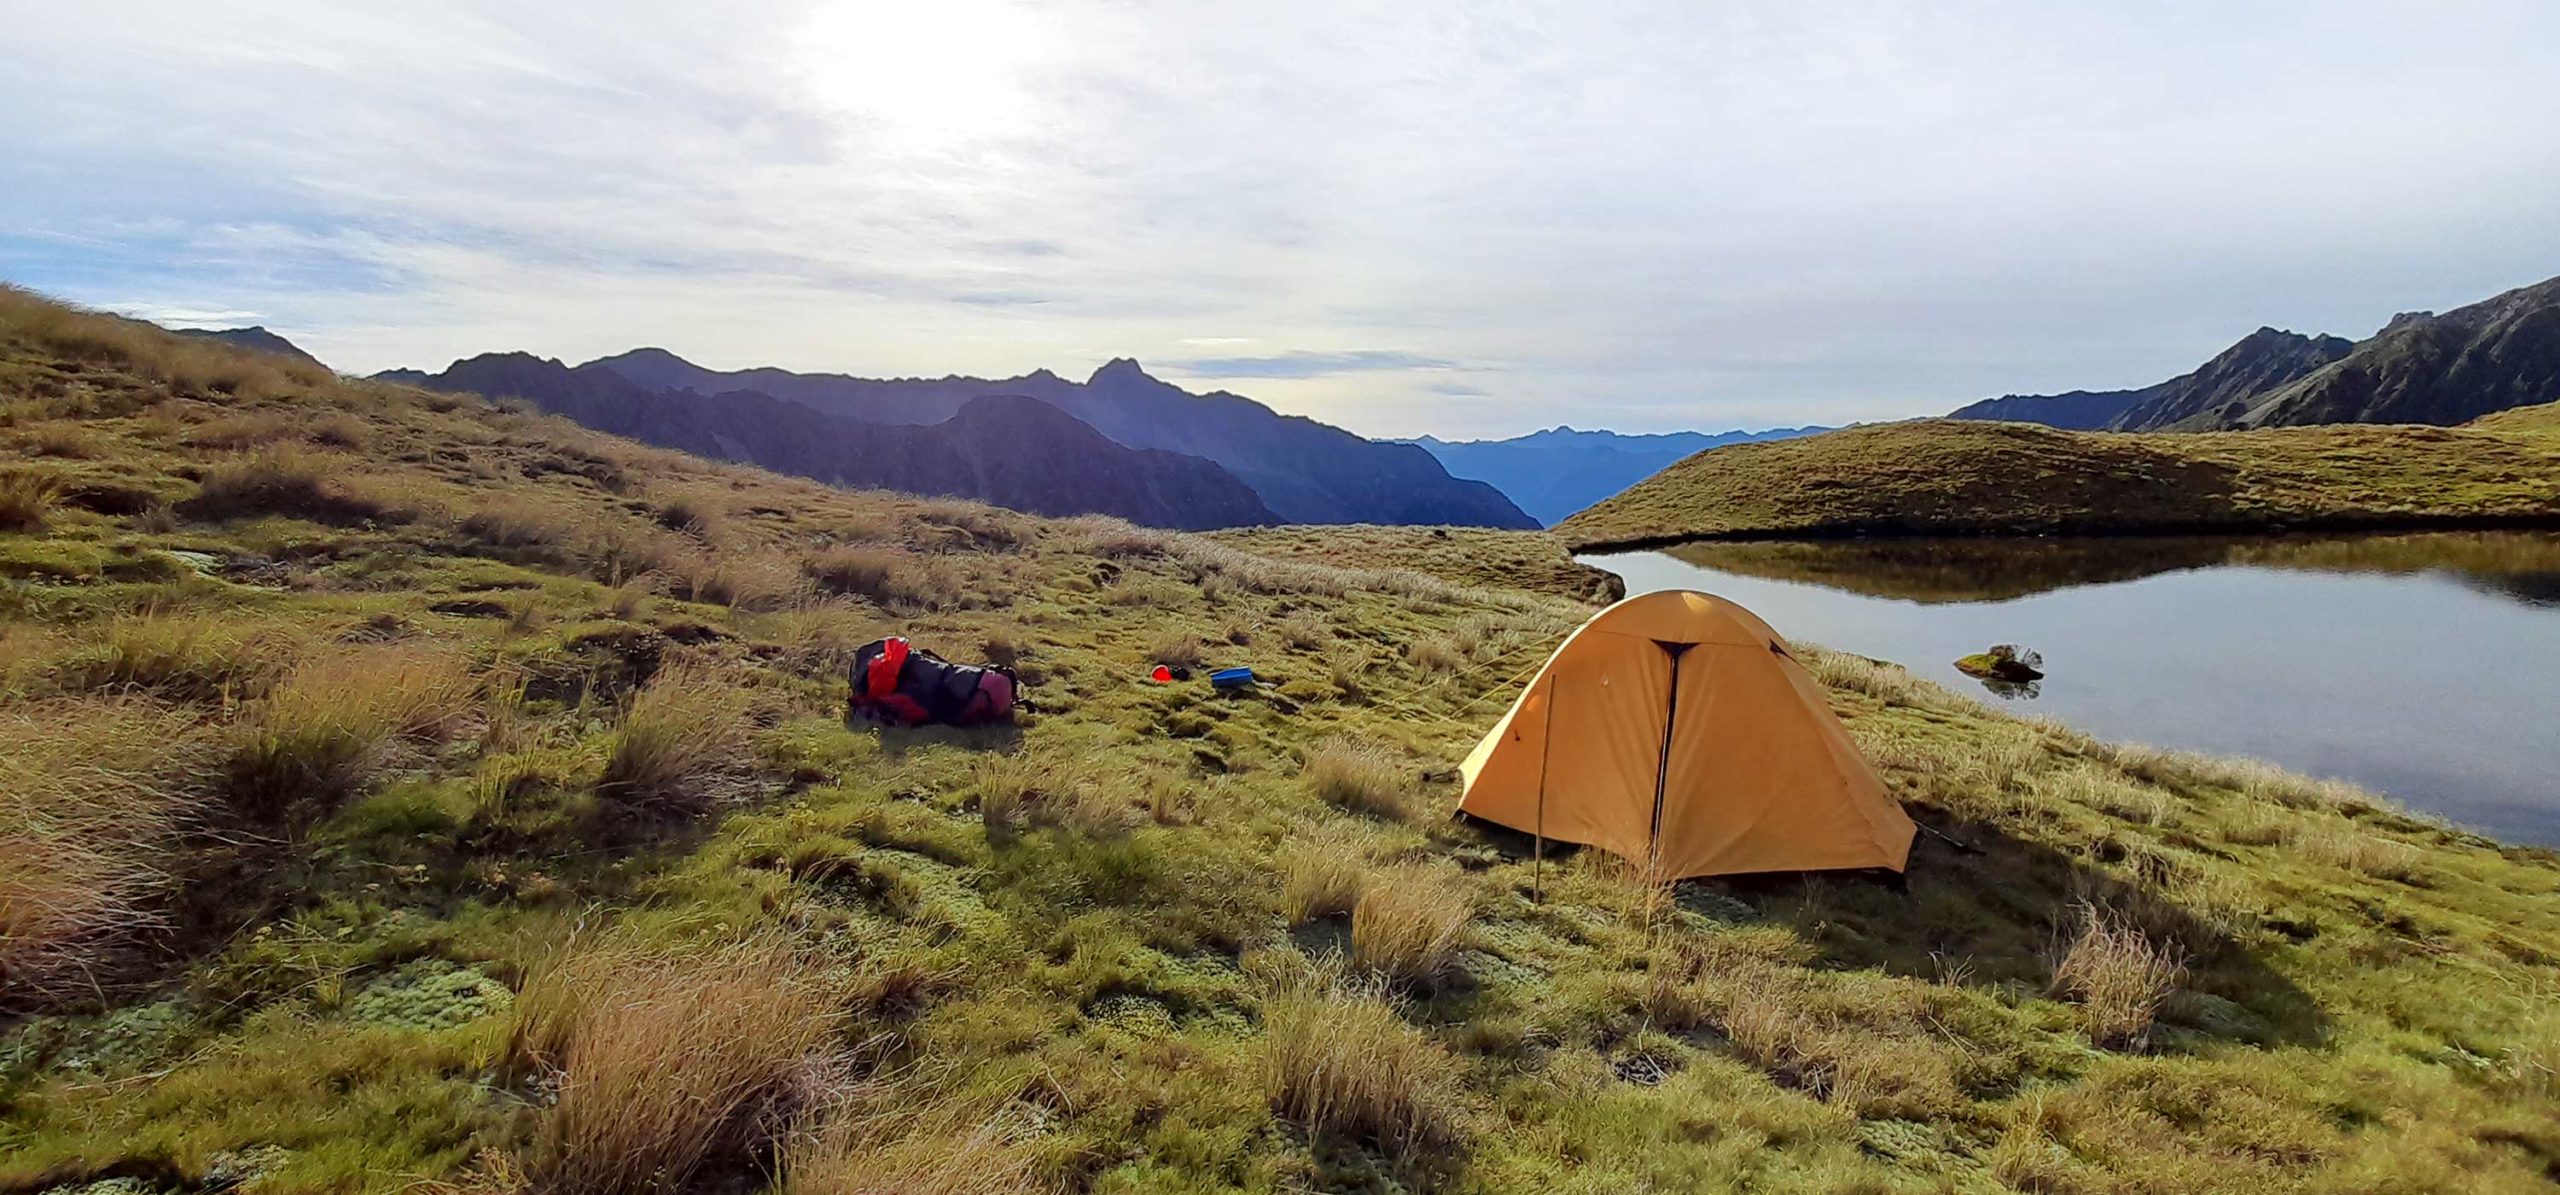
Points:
(1674, 730)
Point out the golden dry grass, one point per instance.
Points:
(92, 796)
(27, 500)
(1046, 791)
(758, 582)
(2118, 976)
(1340, 1064)
(1436, 656)
(1321, 876)
(665, 1061)
(1303, 629)
(905, 1138)
(1180, 649)
(1360, 777)
(2339, 843)
(185, 656)
(339, 717)
(683, 733)
(1406, 924)
(280, 481)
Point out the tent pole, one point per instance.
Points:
(1538, 835)
(1662, 769)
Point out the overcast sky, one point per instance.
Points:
(1464, 218)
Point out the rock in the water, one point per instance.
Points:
(2007, 661)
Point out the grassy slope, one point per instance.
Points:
(1946, 477)
(1530, 560)
(1065, 960)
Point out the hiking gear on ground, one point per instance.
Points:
(1231, 678)
(894, 681)
(1675, 730)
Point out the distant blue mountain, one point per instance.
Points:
(1553, 473)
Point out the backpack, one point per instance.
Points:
(896, 682)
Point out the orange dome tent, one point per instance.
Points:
(1673, 729)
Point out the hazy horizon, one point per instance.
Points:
(1424, 218)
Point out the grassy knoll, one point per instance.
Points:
(1954, 477)
(434, 797)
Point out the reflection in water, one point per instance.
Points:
(2521, 565)
(2423, 666)
(2012, 690)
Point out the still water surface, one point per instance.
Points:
(2426, 667)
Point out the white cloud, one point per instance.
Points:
(183, 317)
(1652, 215)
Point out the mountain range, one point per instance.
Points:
(1306, 471)
(1121, 443)
(1553, 473)
(1011, 450)
(2420, 368)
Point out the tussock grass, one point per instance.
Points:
(1360, 777)
(2251, 778)
(2118, 976)
(890, 577)
(700, 515)
(1889, 683)
(905, 1138)
(757, 582)
(1340, 1064)
(1046, 791)
(1349, 677)
(180, 656)
(279, 481)
(1148, 593)
(1406, 924)
(1303, 630)
(1436, 656)
(1321, 876)
(620, 551)
(1180, 649)
(27, 500)
(669, 1061)
(861, 570)
(2340, 843)
(685, 732)
(341, 716)
(2533, 1063)
(93, 794)
(1111, 538)
(521, 523)
(245, 430)
(64, 440)
(2109, 792)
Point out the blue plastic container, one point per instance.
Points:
(1231, 678)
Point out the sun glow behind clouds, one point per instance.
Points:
(926, 73)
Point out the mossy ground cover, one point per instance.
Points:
(507, 836)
